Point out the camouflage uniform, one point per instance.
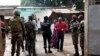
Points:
(74, 28)
(16, 40)
(16, 33)
(30, 39)
(82, 36)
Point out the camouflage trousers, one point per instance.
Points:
(16, 42)
(75, 38)
(31, 44)
(75, 43)
(82, 43)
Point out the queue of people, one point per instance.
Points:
(53, 34)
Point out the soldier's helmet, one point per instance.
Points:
(17, 13)
(74, 17)
(81, 17)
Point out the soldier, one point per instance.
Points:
(74, 30)
(46, 34)
(22, 45)
(81, 29)
(17, 28)
(30, 28)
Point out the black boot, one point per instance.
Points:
(82, 48)
(76, 50)
(49, 50)
(29, 55)
(45, 50)
(17, 54)
(76, 54)
(12, 54)
(82, 53)
(34, 54)
(22, 50)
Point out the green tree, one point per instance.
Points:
(53, 3)
(25, 3)
(79, 4)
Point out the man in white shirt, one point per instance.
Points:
(35, 23)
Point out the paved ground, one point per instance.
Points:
(68, 47)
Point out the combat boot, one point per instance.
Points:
(12, 54)
(45, 50)
(49, 50)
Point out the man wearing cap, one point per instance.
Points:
(17, 28)
(61, 27)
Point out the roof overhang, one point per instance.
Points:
(6, 12)
(65, 11)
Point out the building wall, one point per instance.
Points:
(94, 30)
(6, 12)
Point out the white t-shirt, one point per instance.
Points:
(52, 28)
(34, 22)
(38, 24)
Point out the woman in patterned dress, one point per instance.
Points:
(54, 35)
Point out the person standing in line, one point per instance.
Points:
(3, 32)
(7, 31)
(22, 45)
(61, 27)
(54, 35)
(46, 34)
(74, 29)
(30, 28)
(81, 30)
(35, 22)
(38, 25)
(17, 29)
(3, 40)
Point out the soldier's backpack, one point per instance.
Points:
(16, 25)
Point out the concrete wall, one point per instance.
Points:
(94, 29)
(6, 12)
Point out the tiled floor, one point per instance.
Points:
(68, 47)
